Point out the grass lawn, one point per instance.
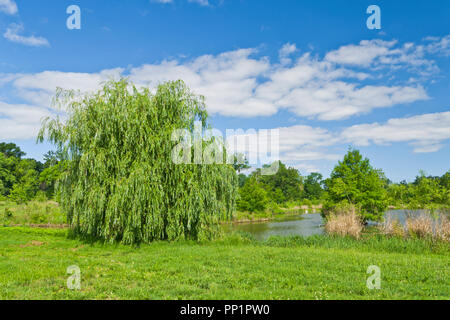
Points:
(34, 212)
(33, 264)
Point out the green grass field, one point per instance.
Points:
(32, 213)
(33, 264)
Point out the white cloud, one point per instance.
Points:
(339, 100)
(200, 2)
(424, 132)
(8, 7)
(239, 84)
(227, 80)
(286, 51)
(50, 80)
(294, 137)
(162, 1)
(379, 53)
(204, 3)
(39, 88)
(306, 167)
(236, 84)
(300, 145)
(438, 45)
(362, 54)
(304, 147)
(314, 89)
(21, 121)
(13, 34)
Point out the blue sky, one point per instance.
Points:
(312, 69)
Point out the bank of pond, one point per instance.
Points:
(305, 225)
(299, 221)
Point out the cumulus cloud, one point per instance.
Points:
(39, 88)
(300, 145)
(13, 34)
(162, 1)
(8, 7)
(237, 84)
(381, 54)
(240, 84)
(306, 167)
(200, 2)
(437, 45)
(425, 133)
(286, 51)
(21, 121)
(305, 146)
(226, 80)
(362, 54)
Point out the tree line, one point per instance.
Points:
(353, 182)
(24, 179)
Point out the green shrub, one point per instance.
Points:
(306, 202)
(41, 196)
(252, 197)
(38, 218)
(19, 194)
(8, 214)
(274, 208)
(6, 217)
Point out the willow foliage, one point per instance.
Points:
(121, 184)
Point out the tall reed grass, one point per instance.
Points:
(345, 223)
(392, 227)
(422, 226)
(443, 228)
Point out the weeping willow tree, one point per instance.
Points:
(121, 184)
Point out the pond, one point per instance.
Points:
(302, 225)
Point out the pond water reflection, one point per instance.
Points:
(303, 225)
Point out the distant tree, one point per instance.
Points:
(241, 179)
(355, 182)
(52, 158)
(277, 196)
(313, 186)
(50, 176)
(16, 173)
(27, 183)
(11, 150)
(252, 196)
(427, 191)
(7, 173)
(285, 185)
(398, 194)
(445, 180)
